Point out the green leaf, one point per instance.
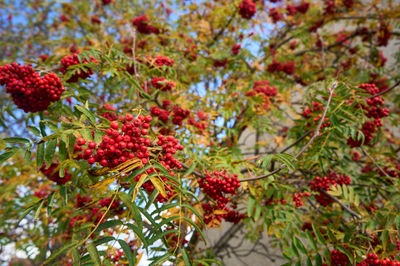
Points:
(190, 170)
(128, 252)
(77, 260)
(317, 233)
(16, 140)
(133, 208)
(94, 255)
(286, 159)
(50, 150)
(62, 148)
(90, 116)
(159, 260)
(185, 257)
(103, 240)
(384, 239)
(7, 155)
(108, 224)
(300, 245)
(34, 130)
(250, 206)
(311, 241)
(138, 233)
(38, 209)
(318, 260)
(40, 154)
(27, 210)
(60, 251)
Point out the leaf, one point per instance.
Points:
(286, 159)
(16, 140)
(38, 209)
(300, 245)
(185, 257)
(94, 255)
(158, 185)
(103, 240)
(50, 150)
(77, 260)
(90, 116)
(7, 155)
(142, 179)
(40, 154)
(108, 224)
(25, 213)
(311, 241)
(60, 251)
(250, 206)
(128, 252)
(190, 170)
(139, 233)
(318, 260)
(34, 130)
(317, 233)
(159, 260)
(133, 208)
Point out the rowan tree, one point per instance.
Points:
(123, 123)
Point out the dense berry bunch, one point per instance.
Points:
(373, 110)
(162, 83)
(52, 174)
(315, 108)
(275, 15)
(28, 90)
(373, 260)
(142, 24)
(72, 60)
(120, 144)
(320, 184)
(247, 9)
(297, 198)
(338, 258)
(276, 66)
(263, 89)
(108, 112)
(160, 61)
(303, 7)
(384, 34)
(236, 48)
(177, 113)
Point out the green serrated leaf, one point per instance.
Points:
(128, 252)
(50, 151)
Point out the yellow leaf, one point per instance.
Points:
(158, 185)
(139, 257)
(137, 187)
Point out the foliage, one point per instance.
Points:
(143, 150)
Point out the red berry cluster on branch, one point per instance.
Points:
(108, 112)
(338, 258)
(297, 198)
(120, 144)
(52, 174)
(374, 111)
(72, 60)
(373, 260)
(142, 24)
(159, 61)
(263, 89)
(217, 185)
(302, 7)
(320, 184)
(177, 113)
(162, 83)
(275, 15)
(28, 90)
(247, 9)
(276, 66)
(236, 48)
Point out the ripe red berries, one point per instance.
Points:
(71, 60)
(247, 9)
(28, 90)
(114, 125)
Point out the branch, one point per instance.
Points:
(331, 89)
(344, 207)
(385, 91)
(376, 164)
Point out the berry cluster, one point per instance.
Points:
(263, 88)
(120, 144)
(142, 24)
(297, 198)
(162, 83)
(108, 112)
(72, 60)
(52, 174)
(178, 113)
(302, 7)
(200, 125)
(169, 146)
(320, 184)
(373, 260)
(276, 66)
(275, 15)
(384, 34)
(236, 48)
(217, 185)
(247, 9)
(28, 90)
(338, 258)
(159, 61)
(373, 110)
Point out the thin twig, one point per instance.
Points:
(385, 91)
(331, 90)
(344, 207)
(375, 163)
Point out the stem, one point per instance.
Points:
(331, 89)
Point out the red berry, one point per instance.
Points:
(92, 145)
(114, 125)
